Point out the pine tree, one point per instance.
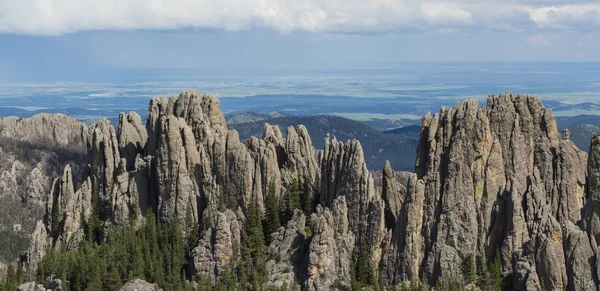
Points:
(20, 273)
(495, 271)
(365, 275)
(95, 224)
(291, 202)
(96, 271)
(271, 221)
(307, 198)
(254, 256)
(136, 257)
(56, 217)
(11, 278)
(112, 280)
(469, 268)
(191, 229)
(254, 228)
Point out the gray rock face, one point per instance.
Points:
(139, 285)
(132, 137)
(579, 256)
(392, 193)
(497, 177)
(344, 173)
(265, 169)
(104, 159)
(405, 246)
(176, 162)
(286, 251)
(32, 152)
(31, 286)
(37, 247)
(238, 178)
(218, 246)
(299, 158)
(72, 208)
(118, 171)
(330, 251)
(49, 130)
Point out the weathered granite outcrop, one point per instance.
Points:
(404, 249)
(218, 251)
(38, 244)
(104, 158)
(70, 208)
(176, 163)
(494, 178)
(344, 173)
(31, 286)
(33, 151)
(393, 194)
(298, 161)
(287, 251)
(45, 130)
(139, 285)
(132, 137)
(330, 251)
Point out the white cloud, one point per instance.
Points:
(582, 16)
(56, 17)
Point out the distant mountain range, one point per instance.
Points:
(378, 146)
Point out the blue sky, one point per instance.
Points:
(69, 40)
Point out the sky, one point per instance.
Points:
(66, 40)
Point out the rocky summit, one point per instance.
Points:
(499, 200)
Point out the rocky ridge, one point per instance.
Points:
(495, 179)
(32, 152)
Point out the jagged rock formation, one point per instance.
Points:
(37, 247)
(493, 178)
(490, 179)
(330, 252)
(182, 162)
(67, 211)
(344, 173)
(37, 145)
(404, 249)
(287, 251)
(132, 137)
(392, 193)
(32, 152)
(219, 246)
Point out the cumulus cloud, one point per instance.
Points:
(56, 17)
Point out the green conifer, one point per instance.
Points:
(271, 221)
(495, 271)
(365, 275)
(291, 202)
(307, 198)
